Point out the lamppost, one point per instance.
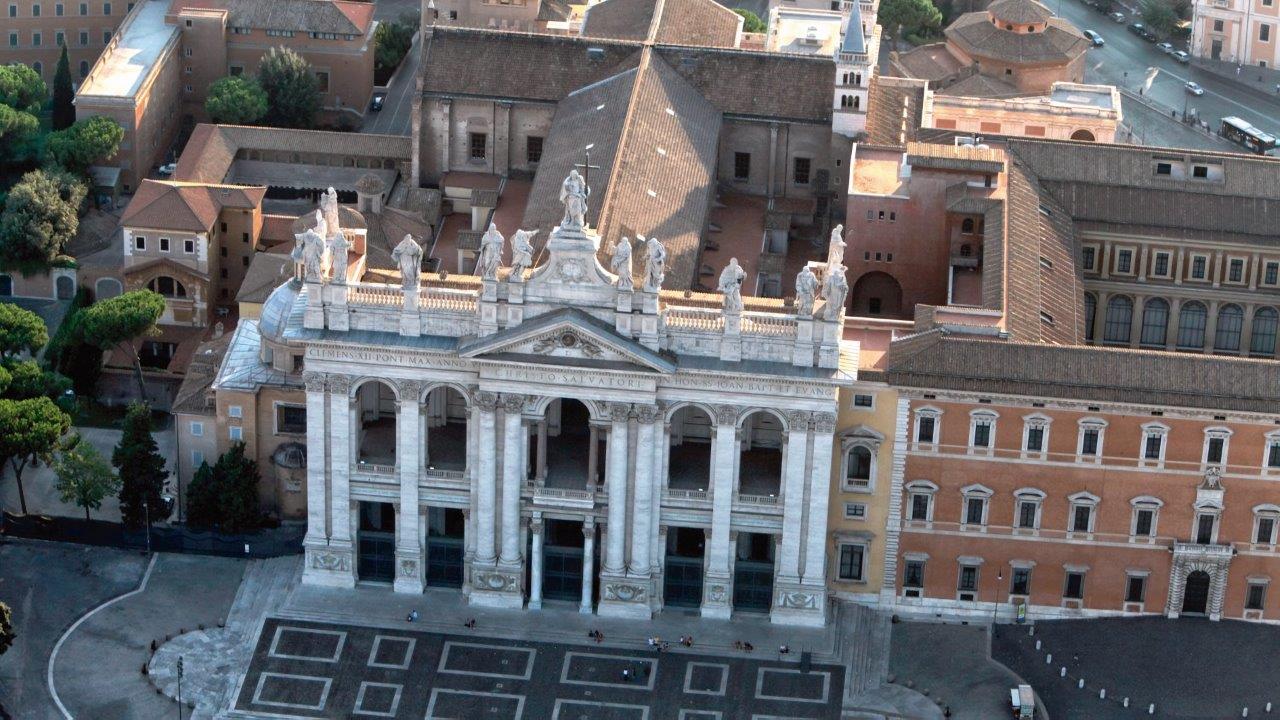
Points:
(995, 605)
(179, 687)
(146, 514)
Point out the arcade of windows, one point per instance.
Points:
(1160, 325)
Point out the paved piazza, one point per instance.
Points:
(312, 670)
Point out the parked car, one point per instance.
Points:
(1181, 56)
(1118, 17)
(168, 169)
(376, 103)
(1194, 88)
(1094, 38)
(1165, 47)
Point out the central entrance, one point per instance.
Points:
(1195, 595)
(445, 546)
(377, 542)
(682, 579)
(562, 560)
(753, 573)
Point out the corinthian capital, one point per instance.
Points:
(340, 384)
(619, 412)
(727, 414)
(824, 422)
(648, 414)
(486, 401)
(513, 402)
(314, 381)
(408, 389)
(798, 420)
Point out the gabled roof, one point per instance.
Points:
(567, 336)
(266, 272)
(704, 23)
(1019, 11)
(894, 109)
(1059, 43)
(212, 149)
(187, 207)
(342, 17)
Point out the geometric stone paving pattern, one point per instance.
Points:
(316, 670)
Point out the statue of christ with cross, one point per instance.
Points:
(574, 192)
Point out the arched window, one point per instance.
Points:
(1230, 323)
(1155, 322)
(1191, 322)
(1119, 319)
(167, 287)
(1264, 332)
(1090, 309)
(857, 102)
(966, 226)
(858, 470)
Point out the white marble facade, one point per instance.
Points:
(499, 363)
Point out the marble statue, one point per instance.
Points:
(620, 264)
(731, 285)
(521, 254)
(313, 255)
(329, 207)
(338, 247)
(655, 269)
(408, 255)
(835, 288)
(574, 193)
(490, 259)
(806, 292)
(835, 250)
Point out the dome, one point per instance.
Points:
(1019, 12)
(275, 311)
(348, 217)
(290, 455)
(370, 184)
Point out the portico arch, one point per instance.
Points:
(877, 294)
(762, 436)
(689, 461)
(445, 410)
(1083, 134)
(568, 445)
(374, 405)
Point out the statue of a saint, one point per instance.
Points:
(835, 249)
(338, 247)
(655, 268)
(490, 259)
(329, 207)
(574, 193)
(620, 264)
(806, 292)
(731, 285)
(521, 254)
(313, 256)
(835, 288)
(408, 255)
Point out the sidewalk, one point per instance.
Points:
(1262, 81)
(97, 670)
(952, 665)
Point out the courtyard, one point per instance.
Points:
(321, 670)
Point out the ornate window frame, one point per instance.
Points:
(1143, 503)
(1217, 432)
(1265, 511)
(859, 437)
(1027, 495)
(1272, 440)
(975, 492)
(968, 561)
(978, 418)
(1032, 421)
(924, 488)
(1082, 500)
(1150, 430)
(927, 411)
(1086, 424)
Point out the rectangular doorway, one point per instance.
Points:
(562, 560)
(377, 542)
(446, 537)
(753, 573)
(682, 578)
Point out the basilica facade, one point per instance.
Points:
(551, 430)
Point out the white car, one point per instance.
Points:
(168, 169)
(1181, 56)
(1194, 88)
(1164, 47)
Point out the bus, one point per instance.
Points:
(1243, 133)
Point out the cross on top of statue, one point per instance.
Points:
(585, 166)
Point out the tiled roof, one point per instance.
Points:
(330, 16)
(212, 149)
(1060, 42)
(937, 360)
(704, 23)
(930, 62)
(777, 86)
(189, 207)
(243, 369)
(894, 109)
(1019, 11)
(980, 86)
(195, 396)
(266, 271)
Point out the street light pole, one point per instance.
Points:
(146, 513)
(179, 687)
(995, 605)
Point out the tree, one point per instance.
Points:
(751, 22)
(236, 100)
(141, 468)
(225, 496)
(392, 41)
(84, 143)
(908, 16)
(64, 112)
(7, 634)
(20, 331)
(119, 321)
(21, 88)
(18, 130)
(1160, 16)
(28, 380)
(41, 214)
(29, 433)
(84, 478)
(293, 92)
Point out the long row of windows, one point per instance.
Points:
(59, 9)
(1090, 437)
(59, 39)
(1190, 333)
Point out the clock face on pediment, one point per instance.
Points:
(567, 338)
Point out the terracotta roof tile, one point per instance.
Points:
(704, 23)
(190, 207)
(1060, 42)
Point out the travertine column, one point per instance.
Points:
(340, 438)
(542, 450)
(535, 563)
(642, 501)
(487, 483)
(329, 557)
(824, 425)
(317, 484)
(615, 551)
(593, 453)
(794, 476)
(409, 564)
(724, 450)
(588, 565)
(513, 471)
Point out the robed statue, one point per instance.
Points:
(731, 285)
(835, 249)
(620, 264)
(338, 247)
(574, 193)
(408, 255)
(313, 256)
(329, 208)
(806, 291)
(655, 265)
(521, 254)
(490, 259)
(835, 288)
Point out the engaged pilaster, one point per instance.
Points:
(717, 587)
(409, 444)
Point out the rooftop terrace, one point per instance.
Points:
(139, 43)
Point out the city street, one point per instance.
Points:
(1131, 63)
(397, 111)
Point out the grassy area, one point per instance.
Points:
(91, 413)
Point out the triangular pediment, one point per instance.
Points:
(567, 337)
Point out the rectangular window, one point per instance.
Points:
(1089, 442)
(1272, 274)
(1144, 523)
(1153, 446)
(244, 237)
(924, 429)
(533, 150)
(1214, 454)
(478, 142)
(35, 39)
(1087, 256)
(322, 80)
(236, 433)
(35, 10)
(197, 458)
(291, 419)
(106, 8)
(84, 8)
(1027, 514)
(982, 434)
(58, 9)
(1204, 528)
(13, 11)
(973, 510)
(1135, 588)
(1020, 582)
(1080, 517)
(855, 511)
(1264, 33)
(1266, 531)
(235, 411)
(920, 507)
(1074, 587)
(864, 401)
(1124, 262)
(1217, 26)
(140, 242)
(1161, 266)
(1035, 439)
(189, 247)
(851, 557)
(801, 174)
(106, 37)
(968, 581)
(913, 574)
(1273, 455)
(1198, 267)
(1254, 599)
(164, 244)
(13, 39)
(197, 429)
(741, 166)
(84, 39)
(59, 39)
(1235, 270)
